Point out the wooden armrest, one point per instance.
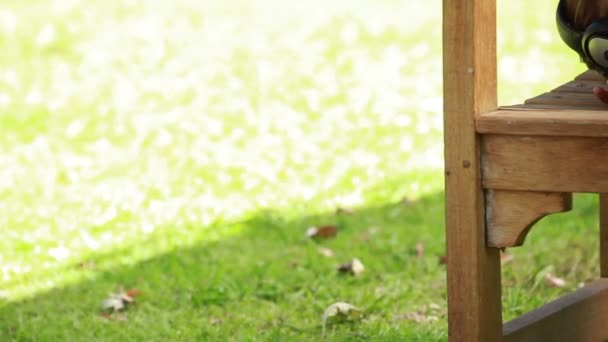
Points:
(544, 121)
(568, 110)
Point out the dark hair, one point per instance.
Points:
(583, 12)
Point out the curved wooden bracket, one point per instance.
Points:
(511, 214)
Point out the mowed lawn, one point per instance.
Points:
(183, 148)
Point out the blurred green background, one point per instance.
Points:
(183, 148)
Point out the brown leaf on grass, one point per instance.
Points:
(119, 301)
(554, 281)
(326, 252)
(420, 249)
(133, 293)
(322, 232)
(354, 267)
(443, 259)
(506, 258)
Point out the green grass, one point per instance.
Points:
(184, 147)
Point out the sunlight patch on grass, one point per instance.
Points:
(129, 124)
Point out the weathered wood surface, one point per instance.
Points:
(537, 163)
(574, 99)
(544, 121)
(576, 317)
(511, 214)
(575, 95)
(575, 86)
(568, 110)
(473, 270)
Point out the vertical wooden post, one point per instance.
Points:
(604, 235)
(473, 270)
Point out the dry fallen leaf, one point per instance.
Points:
(322, 232)
(326, 252)
(119, 301)
(554, 281)
(340, 311)
(420, 249)
(354, 267)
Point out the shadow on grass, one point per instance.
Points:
(264, 280)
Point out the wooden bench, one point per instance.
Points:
(505, 169)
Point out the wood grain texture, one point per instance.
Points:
(578, 316)
(539, 121)
(575, 86)
(601, 107)
(568, 110)
(575, 99)
(604, 235)
(554, 164)
(511, 214)
(473, 270)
